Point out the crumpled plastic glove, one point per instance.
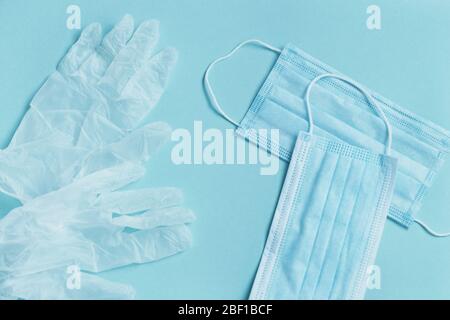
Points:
(85, 116)
(91, 225)
(53, 285)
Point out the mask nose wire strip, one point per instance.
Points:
(379, 111)
(431, 231)
(210, 92)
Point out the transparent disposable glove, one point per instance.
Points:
(56, 284)
(90, 225)
(86, 115)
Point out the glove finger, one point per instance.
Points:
(140, 247)
(94, 68)
(130, 58)
(63, 284)
(108, 179)
(156, 218)
(32, 254)
(85, 46)
(84, 190)
(27, 174)
(143, 42)
(118, 37)
(142, 93)
(133, 201)
(146, 87)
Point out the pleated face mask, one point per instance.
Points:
(329, 218)
(342, 115)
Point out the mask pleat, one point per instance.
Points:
(291, 274)
(272, 112)
(298, 241)
(340, 130)
(360, 223)
(350, 111)
(340, 228)
(361, 120)
(322, 242)
(306, 65)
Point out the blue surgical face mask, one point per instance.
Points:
(342, 115)
(329, 218)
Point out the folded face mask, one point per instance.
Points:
(329, 219)
(342, 115)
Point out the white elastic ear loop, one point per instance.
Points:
(209, 91)
(369, 97)
(431, 231)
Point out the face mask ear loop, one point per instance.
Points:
(210, 92)
(369, 97)
(431, 231)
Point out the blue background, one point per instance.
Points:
(407, 61)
